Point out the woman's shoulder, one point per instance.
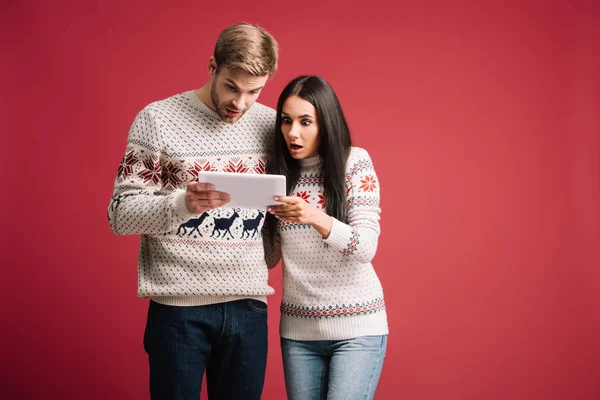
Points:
(358, 152)
(359, 162)
(357, 155)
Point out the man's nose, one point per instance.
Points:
(238, 102)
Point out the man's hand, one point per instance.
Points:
(200, 197)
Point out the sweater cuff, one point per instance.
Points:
(341, 235)
(180, 211)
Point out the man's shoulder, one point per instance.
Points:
(261, 109)
(167, 104)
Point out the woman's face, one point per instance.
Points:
(300, 127)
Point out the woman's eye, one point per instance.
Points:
(306, 122)
(286, 120)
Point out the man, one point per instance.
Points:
(207, 281)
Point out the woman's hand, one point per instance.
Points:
(295, 209)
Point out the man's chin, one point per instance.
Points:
(230, 119)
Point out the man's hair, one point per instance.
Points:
(248, 47)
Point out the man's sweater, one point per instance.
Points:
(331, 291)
(187, 259)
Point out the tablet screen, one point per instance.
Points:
(246, 190)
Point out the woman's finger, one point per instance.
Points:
(287, 199)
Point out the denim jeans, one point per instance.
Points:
(228, 340)
(333, 369)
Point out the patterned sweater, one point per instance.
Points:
(331, 291)
(187, 259)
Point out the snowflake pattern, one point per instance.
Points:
(152, 170)
(201, 165)
(369, 183)
(126, 167)
(304, 196)
(170, 175)
(262, 167)
(321, 202)
(236, 165)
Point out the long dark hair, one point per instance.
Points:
(334, 147)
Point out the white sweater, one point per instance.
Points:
(188, 259)
(331, 291)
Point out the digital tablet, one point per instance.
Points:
(246, 190)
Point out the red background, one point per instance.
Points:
(482, 121)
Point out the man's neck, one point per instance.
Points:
(203, 94)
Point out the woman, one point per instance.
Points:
(333, 320)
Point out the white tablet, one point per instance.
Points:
(246, 190)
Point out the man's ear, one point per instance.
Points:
(212, 66)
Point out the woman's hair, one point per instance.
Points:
(334, 147)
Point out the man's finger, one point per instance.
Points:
(212, 195)
(201, 186)
(213, 203)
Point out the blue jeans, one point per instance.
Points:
(229, 340)
(333, 369)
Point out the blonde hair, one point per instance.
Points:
(248, 47)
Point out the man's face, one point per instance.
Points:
(233, 91)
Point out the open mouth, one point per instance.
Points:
(231, 112)
(295, 147)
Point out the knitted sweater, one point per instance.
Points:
(187, 259)
(331, 291)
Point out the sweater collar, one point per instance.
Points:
(196, 102)
(311, 162)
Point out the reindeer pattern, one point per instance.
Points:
(224, 224)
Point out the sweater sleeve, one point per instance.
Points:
(137, 205)
(358, 238)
